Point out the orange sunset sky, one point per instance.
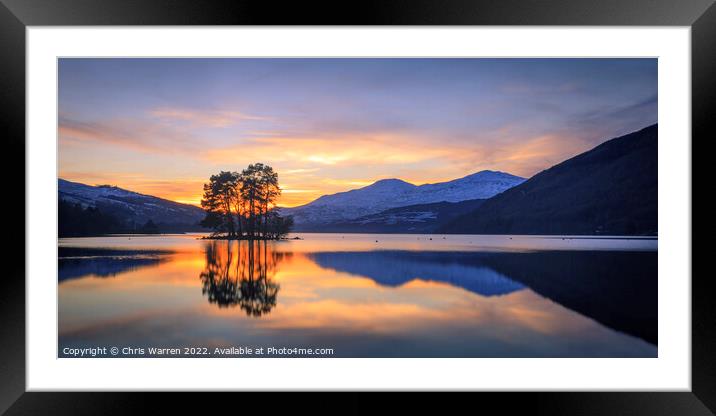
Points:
(163, 126)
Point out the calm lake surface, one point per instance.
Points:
(362, 295)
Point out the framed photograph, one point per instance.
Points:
(477, 198)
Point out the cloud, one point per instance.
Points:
(324, 150)
(610, 121)
(163, 129)
(299, 171)
(533, 154)
(314, 163)
(531, 88)
(332, 147)
(203, 118)
(135, 134)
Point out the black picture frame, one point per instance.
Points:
(16, 15)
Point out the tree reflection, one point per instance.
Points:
(241, 273)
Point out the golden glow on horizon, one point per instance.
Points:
(308, 167)
(166, 156)
(185, 191)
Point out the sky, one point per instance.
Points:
(163, 126)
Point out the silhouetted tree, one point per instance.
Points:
(73, 220)
(149, 228)
(219, 197)
(277, 226)
(243, 205)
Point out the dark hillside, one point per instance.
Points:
(609, 190)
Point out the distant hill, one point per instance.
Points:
(413, 219)
(611, 189)
(392, 193)
(130, 211)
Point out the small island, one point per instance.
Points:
(242, 205)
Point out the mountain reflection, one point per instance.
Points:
(79, 262)
(241, 273)
(617, 289)
(395, 268)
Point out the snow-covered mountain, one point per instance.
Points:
(411, 219)
(392, 193)
(131, 208)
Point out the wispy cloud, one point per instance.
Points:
(299, 171)
(135, 134)
(336, 162)
(527, 88)
(203, 118)
(346, 150)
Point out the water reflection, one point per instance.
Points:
(241, 273)
(618, 289)
(401, 297)
(396, 268)
(74, 263)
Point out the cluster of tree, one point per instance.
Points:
(149, 228)
(243, 204)
(74, 220)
